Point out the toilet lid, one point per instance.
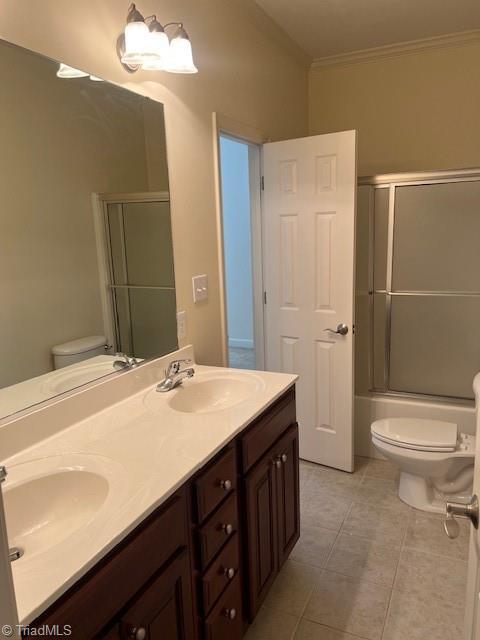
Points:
(426, 435)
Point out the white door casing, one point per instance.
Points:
(309, 258)
(472, 609)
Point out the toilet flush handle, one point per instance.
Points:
(463, 510)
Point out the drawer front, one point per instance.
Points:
(217, 482)
(226, 620)
(218, 530)
(98, 597)
(223, 570)
(267, 429)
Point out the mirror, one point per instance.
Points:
(86, 257)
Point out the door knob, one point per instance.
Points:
(341, 329)
(463, 510)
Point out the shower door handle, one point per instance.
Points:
(341, 329)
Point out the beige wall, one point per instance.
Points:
(414, 112)
(248, 71)
(61, 141)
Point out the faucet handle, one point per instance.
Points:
(174, 366)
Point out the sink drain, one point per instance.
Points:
(15, 553)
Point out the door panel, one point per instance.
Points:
(309, 239)
(261, 505)
(164, 610)
(288, 494)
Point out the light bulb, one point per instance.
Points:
(159, 48)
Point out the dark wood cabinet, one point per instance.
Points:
(272, 515)
(261, 530)
(164, 608)
(200, 566)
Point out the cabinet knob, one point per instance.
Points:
(228, 529)
(231, 613)
(137, 633)
(278, 462)
(230, 573)
(226, 485)
(284, 457)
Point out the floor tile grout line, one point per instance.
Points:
(402, 546)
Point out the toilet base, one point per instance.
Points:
(417, 493)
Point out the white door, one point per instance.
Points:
(472, 612)
(309, 253)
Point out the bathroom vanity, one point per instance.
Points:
(177, 554)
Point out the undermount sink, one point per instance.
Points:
(49, 499)
(206, 393)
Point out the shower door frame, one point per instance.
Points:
(392, 181)
(100, 202)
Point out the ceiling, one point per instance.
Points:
(331, 27)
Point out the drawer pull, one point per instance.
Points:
(231, 613)
(226, 485)
(228, 529)
(284, 457)
(137, 633)
(229, 573)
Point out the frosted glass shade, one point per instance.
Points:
(137, 43)
(181, 58)
(64, 71)
(159, 50)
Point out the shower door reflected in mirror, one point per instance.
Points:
(140, 286)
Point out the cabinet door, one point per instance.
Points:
(163, 611)
(261, 530)
(288, 502)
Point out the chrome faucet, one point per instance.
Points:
(126, 362)
(175, 374)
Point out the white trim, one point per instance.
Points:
(226, 126)
(240, 343)
(255, 176)
(395, 50)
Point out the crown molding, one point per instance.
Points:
(397, 50)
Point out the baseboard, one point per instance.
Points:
(240, 343)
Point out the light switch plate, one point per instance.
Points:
(200, 288)
(181, 325)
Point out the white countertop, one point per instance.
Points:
(146, 450)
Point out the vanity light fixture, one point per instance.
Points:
(64, 71)
(146, 45)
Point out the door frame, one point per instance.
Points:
(102, 242)
(223, 126)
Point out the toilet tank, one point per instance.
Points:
(77, 350)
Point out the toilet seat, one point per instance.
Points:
(417, 434)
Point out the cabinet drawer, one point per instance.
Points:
(226, 620)
(98, 597)
(221, 573)
(218, 481)
(267, 429)
(218, 530)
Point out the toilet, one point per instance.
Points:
(77, 350)
(435, 460)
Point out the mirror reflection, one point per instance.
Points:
(86, 257)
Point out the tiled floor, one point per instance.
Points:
(366, 565)
(241, 358)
